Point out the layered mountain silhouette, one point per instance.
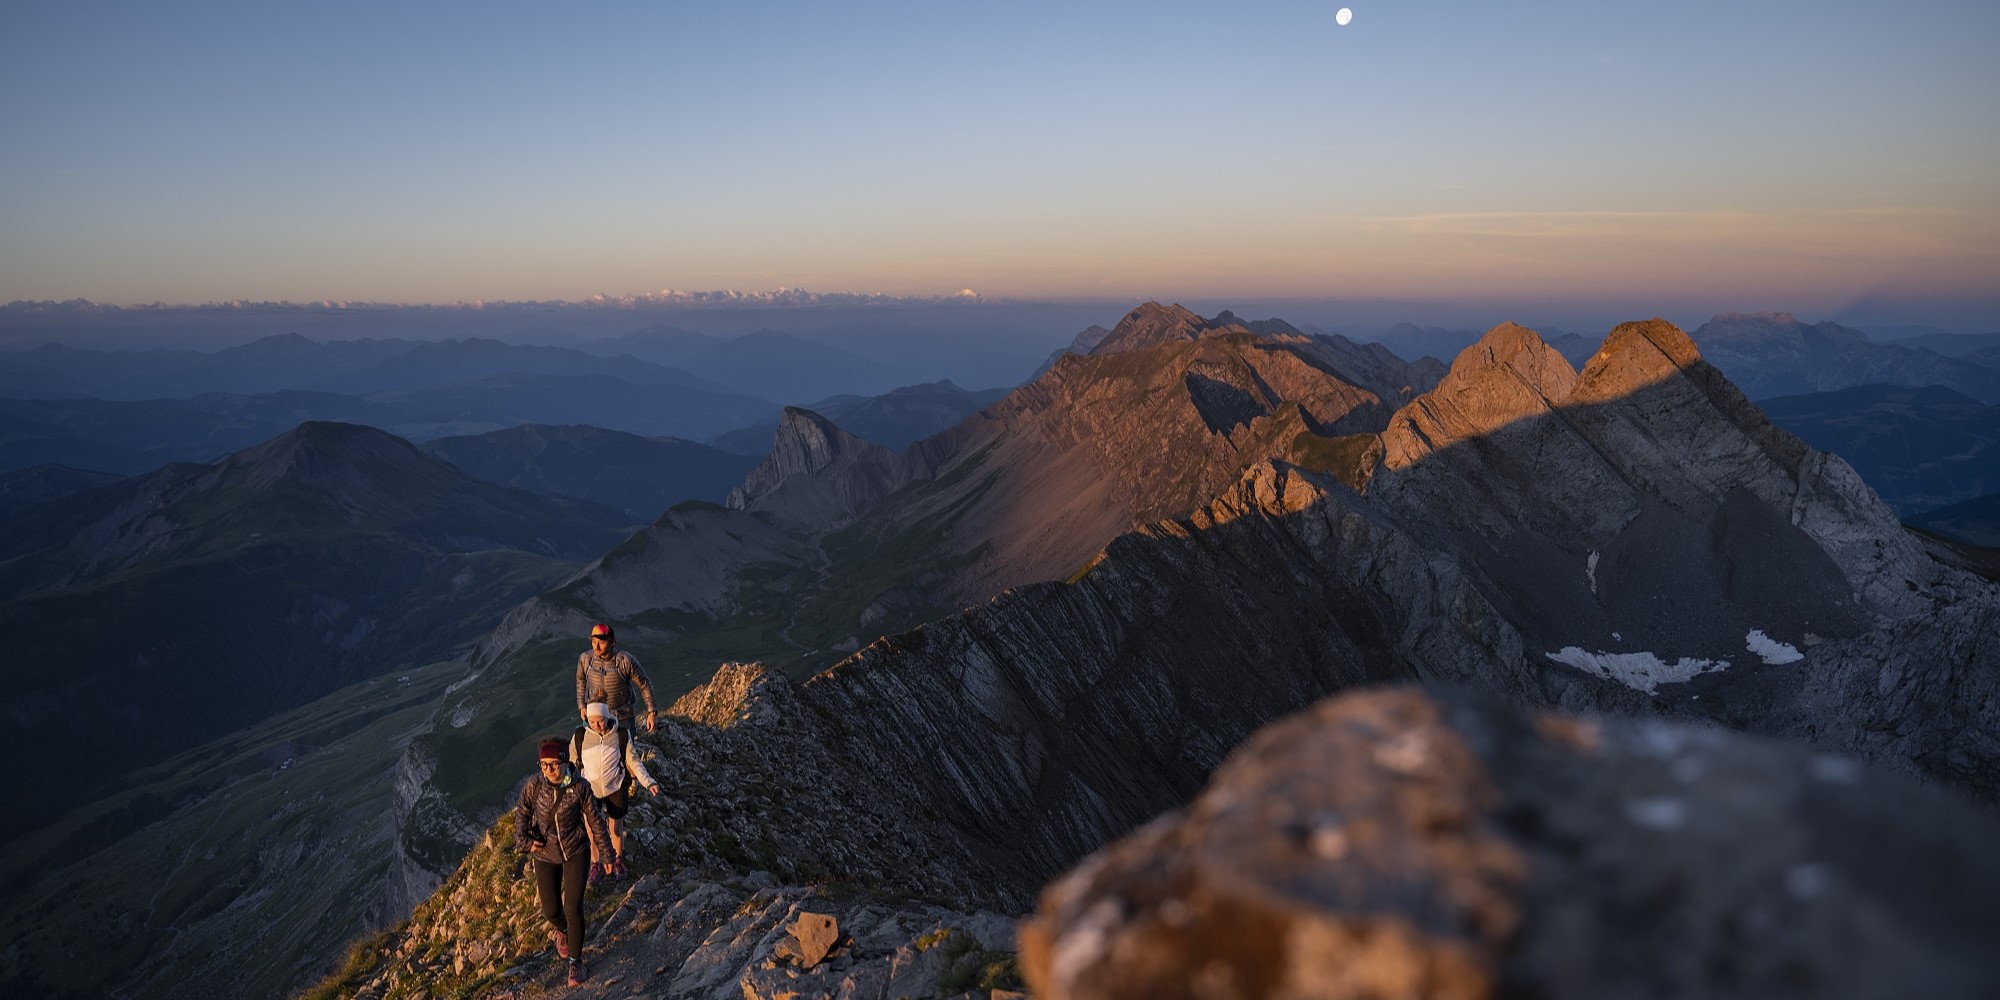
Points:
(640, 476)
(1951, 345)
(1775, 354)
(893, 419)
(289, 361)
(167, 609)
(773, 364)
(133, 436)
(1975, 521)
(30, 487)
(1919, 449)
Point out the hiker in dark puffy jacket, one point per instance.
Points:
(559, 825)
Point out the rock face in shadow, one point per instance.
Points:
(1397, 844)
(833, 474)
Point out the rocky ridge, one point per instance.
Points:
(761, 820)
(1058, 715)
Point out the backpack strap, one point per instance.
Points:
(576, 746)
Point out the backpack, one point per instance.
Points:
(624, 748)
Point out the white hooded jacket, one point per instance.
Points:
(595, 756)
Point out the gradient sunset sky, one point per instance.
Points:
(1796, 154)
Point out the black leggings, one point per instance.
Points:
(564, 912)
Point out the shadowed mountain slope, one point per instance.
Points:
(25, 488)
(1775, 354)
(894, 419)
(1150, 424)
(638, 475)
(767, 363)
(1918, 448)
(448, 361)
(142, 435)
(1975, 522)
(206, 596)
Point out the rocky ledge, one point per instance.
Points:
(1397, 844)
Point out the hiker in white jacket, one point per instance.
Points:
(601, 750)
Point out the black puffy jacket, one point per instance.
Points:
(564, 817)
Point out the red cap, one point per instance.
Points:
(552, 749)
(601, 631)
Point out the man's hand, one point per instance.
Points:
(535, 846)
(652, 721)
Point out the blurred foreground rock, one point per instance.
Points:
(1396, 844)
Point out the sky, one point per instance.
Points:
(1777, 154)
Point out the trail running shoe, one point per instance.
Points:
(596, 872)
(618, 867)
(562, 943)
(576, 972)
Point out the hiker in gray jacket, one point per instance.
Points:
(608, 674)
(601, 751)
(557, 823)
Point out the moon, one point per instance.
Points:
(1342, 16)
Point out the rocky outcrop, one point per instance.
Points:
(1378, 370)
(1641, 507)
(762, 822)
(1397, 844)
(1150, 325)
(818, 475)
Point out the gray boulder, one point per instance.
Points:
(1395, 844)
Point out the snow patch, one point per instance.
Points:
(1771, 649)
(1639, 671)
(1590, 570)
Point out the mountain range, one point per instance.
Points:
(173, 607)
(639, 476)
(134, 436)
(1630, 539)
(1919, 449)
(998, 649)
(894, 419)
(774, 364)
(289, 361)
(1775, 354)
